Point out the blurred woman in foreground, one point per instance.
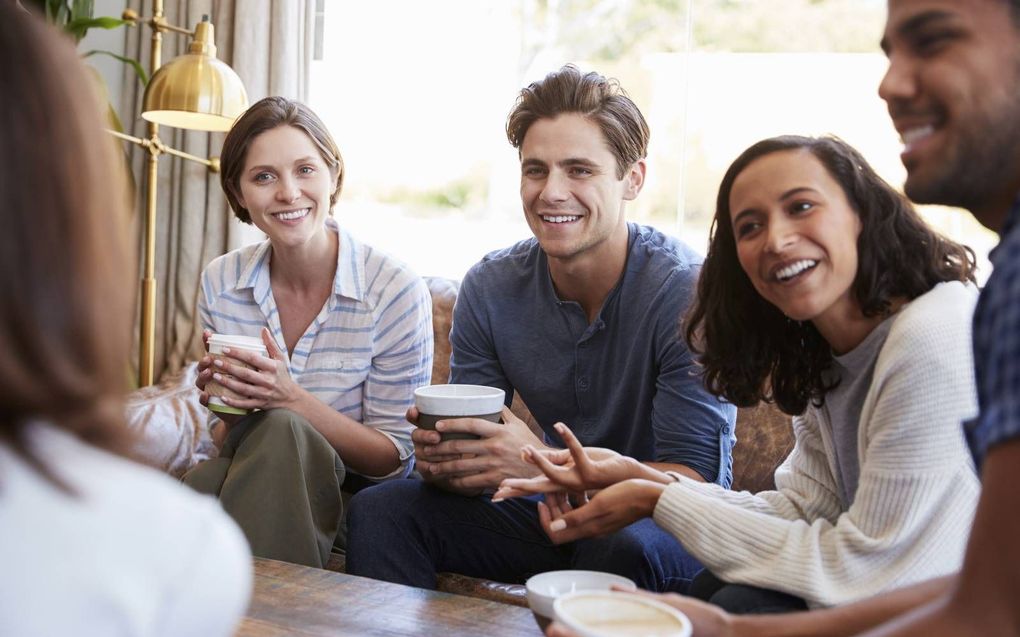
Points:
(91, 543)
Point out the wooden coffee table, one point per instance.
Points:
(298, 600)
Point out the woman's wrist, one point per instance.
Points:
(649, 495)
(295, 396)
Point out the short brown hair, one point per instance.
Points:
(594, 96)
(66, 268)
(264, 115)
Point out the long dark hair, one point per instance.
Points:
(749, 350)
(66, 264)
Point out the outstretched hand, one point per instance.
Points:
(576, 469)
(609, 510)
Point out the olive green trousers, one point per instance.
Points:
(280, 480)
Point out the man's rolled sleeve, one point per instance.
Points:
(997, 348)
(691, 426)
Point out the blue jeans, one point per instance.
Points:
(406, 531)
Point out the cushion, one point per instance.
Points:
(170, 424)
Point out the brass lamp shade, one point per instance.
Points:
(195, 90)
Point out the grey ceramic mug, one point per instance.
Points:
(445, 402)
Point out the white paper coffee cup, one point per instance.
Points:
(217, 343)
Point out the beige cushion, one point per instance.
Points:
(170, 423)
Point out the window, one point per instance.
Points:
(417, 96)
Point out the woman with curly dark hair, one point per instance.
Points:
(751, 350)
(825, 292)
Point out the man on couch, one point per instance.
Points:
(583, 322)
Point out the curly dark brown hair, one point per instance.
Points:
(749, 350)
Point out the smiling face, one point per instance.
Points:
(953, 92)
(572, 198)
(796, 237)
(286, 185)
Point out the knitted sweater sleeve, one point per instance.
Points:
(917, 489)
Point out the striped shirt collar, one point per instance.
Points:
(349, 280)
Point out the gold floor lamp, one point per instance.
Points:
(193, 91)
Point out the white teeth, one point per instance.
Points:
(794, 269)
(292, 215)
(560, 218)
(916, 134)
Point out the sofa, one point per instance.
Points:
(171, 430)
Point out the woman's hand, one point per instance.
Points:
(575, 469)
(707, 620)
(609, 510)
(205, 371)
(266, 386)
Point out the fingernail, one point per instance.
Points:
(495, 499)
(226, 350)
(557, 525)
(218, 363)
(217, 376)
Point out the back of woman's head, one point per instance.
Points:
(749, 350)
(66, 278)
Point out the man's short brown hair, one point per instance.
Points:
(597, 98)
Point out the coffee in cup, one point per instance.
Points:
(618, 614)
(217, 342)
(442, 402)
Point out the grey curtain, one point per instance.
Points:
(269, 44)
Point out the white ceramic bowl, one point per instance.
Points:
(544, 588)
(458, 400)
(617, 614)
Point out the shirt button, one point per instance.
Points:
(582, 384)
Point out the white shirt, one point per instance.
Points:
(131, 552)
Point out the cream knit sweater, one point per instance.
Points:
(917, 491)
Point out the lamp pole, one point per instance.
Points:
(147, 338)
(229, 108)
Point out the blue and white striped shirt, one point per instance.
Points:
(997, 346)
(367, 350)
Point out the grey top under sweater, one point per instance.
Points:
(841, 413)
